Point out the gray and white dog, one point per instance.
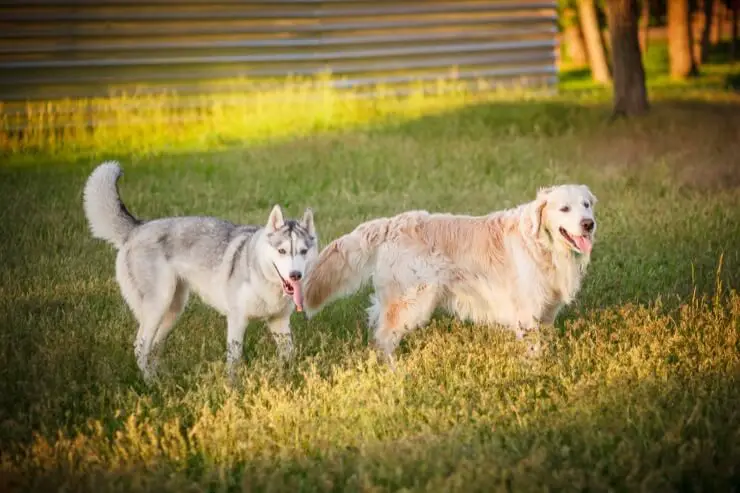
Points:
(244, 272)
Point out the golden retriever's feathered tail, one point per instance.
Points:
(344, 265)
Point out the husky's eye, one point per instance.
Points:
(282, 251)
(303, 251)
(565, 208)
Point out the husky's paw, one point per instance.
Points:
(233, 382)
(150, 377)
(151, 372)
(310, 313)
(285, 347)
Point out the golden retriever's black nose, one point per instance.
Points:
(295, 275)
(587, 225)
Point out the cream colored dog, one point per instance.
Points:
(515, 267)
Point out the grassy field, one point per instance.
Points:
(639, 389)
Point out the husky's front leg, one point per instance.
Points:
(237, 325)
(280, 329)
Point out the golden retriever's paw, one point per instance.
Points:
(534, 349)
(533, 344)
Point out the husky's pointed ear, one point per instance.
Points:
(307, 221)
(275, 221)
(591, 197)
(538, 209)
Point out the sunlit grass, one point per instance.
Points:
(627, 396)
(166, 122)
(637, 391)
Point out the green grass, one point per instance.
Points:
(638, 390)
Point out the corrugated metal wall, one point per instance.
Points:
(89, 48)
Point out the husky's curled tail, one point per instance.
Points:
(345, 264)
(108, 218)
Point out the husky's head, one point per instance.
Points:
(293, 247)
(566, 212)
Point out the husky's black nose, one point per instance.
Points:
(587, 225)
(295, 275)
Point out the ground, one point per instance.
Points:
(638, 388)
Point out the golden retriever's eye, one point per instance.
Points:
(303, 251)
(565, 208)
(282, 251)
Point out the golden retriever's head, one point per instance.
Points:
(566, 213)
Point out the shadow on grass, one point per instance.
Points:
(60, 361)
(720, 54)
(558, 117)
(575, 75)
(507, 119)
(733, 81)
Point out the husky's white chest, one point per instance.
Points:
(261, 301)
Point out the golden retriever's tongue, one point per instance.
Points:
(583, 243)
(297, 295)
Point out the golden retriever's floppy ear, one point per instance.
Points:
(591, 197)
(538, 209)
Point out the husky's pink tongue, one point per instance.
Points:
(583, 243)
(297, 295)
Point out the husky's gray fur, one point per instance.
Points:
(244, 272)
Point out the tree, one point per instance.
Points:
(706, 31)
(644, 25)
(735, 11)
(574, 37)
(630, 94)
(679, 39)
(594, 44)
(720, 13)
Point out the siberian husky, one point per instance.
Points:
(244, 272)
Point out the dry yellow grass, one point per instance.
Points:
(628, 397)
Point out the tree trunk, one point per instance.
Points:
(717, 20)
(630, 94)
(594, 46)
(700, 21)
(706, 31)
(574, 43)
(733, 45)
(644, 25)
(720, 21)
(679, 39)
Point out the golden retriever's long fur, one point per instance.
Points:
(515, 267)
